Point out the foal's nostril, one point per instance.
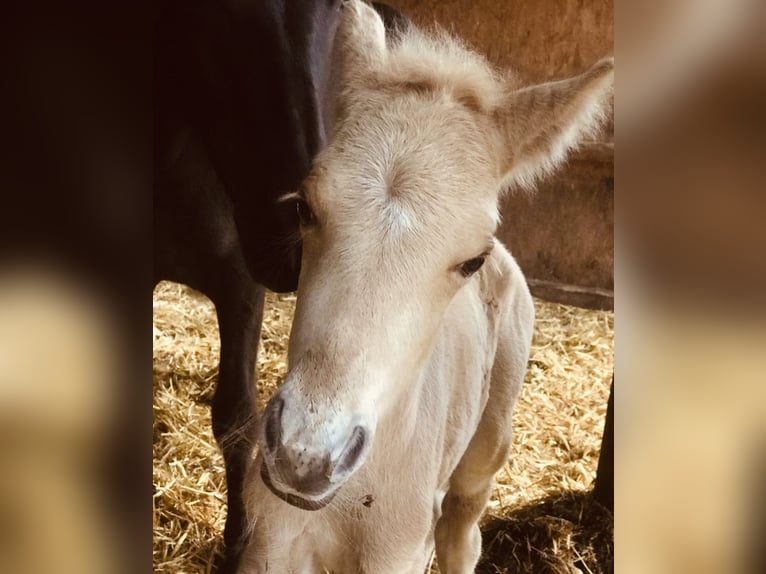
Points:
(273, 423)
(352, 452)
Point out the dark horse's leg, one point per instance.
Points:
(196, 244)
(239, 304)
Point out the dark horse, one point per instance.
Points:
(240, 93)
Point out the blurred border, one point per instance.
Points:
(75, 287)
(690, 284)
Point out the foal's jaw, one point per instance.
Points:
(299, 500)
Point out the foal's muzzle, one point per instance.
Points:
(303, 469)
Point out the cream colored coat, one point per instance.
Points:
(388, 333)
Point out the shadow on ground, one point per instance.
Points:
(565, 533)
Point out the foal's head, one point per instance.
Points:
(397, 216)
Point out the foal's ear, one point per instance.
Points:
(541, 123)
(360, 44)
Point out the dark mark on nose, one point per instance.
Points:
(368, 500)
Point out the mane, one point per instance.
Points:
(437, 61)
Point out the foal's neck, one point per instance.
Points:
(423, 391)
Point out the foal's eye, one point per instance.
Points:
(468, 268)
(305, 215)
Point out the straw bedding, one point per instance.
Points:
(540, 518)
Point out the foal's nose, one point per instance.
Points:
(309, 463)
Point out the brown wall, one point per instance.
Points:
(563, 235)
(540, 39)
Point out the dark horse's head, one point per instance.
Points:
(253, 89)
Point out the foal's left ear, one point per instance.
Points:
(540, 124)
(360, 44)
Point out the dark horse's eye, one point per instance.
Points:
(468, 268)
(305, 215)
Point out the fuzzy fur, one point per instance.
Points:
(388, 334)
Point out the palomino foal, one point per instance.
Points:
(413, 324)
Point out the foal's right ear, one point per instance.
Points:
(360, 44)
(539, 124)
